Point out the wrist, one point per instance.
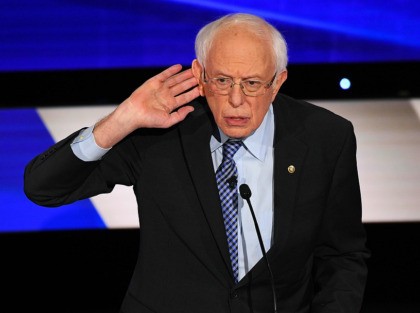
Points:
(114, 127)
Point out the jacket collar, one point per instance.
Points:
(289, 150)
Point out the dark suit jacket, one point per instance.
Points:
(183, 265)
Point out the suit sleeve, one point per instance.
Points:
(340, 270)
(57, 176)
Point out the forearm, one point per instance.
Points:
(51, 178)
(340, 270)
(340, 280)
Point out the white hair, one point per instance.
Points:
(255, 24)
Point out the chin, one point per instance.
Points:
(237, 133)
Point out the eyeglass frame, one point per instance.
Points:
(266, 84)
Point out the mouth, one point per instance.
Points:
(236, 121)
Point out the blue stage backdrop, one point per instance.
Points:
(87, 34)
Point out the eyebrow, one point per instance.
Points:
(256, 77)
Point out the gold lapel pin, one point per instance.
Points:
(291, 169)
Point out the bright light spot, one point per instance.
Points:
(345, 83)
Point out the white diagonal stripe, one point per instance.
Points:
(117, 209)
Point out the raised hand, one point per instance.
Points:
(158, 103)
(157, 100)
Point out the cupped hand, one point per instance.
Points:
(160, 101)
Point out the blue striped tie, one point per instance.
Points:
(229, 199)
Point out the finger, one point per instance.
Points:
(183, 86)
(179, 115)
(179, 78)
(169, 72)
(179, 100)
(187, 97)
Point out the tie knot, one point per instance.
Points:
(230, 147)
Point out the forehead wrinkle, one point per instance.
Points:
(237, 52)
(222, 70)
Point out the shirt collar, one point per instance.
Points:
(258, 142)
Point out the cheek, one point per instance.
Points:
(259, 110)
(214, 108)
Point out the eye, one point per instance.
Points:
(222, 81)
(252, 84)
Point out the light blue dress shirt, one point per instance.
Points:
(255, 168)
(254, 162)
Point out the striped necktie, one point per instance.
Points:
(229, 199)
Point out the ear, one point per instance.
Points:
(197, 70)
(281, 78)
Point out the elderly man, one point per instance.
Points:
(186, 157)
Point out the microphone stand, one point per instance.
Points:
(245, 192)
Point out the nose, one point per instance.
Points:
(236, 95)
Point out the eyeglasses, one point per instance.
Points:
(250, 87)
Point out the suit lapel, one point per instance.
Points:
(289, 155)
(195, 138)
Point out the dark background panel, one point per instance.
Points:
(89, 271)
(305, 81)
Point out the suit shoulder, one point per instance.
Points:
(309, 113)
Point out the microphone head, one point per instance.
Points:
(245, 191)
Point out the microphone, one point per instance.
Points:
(245, 192)
(232, 181)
